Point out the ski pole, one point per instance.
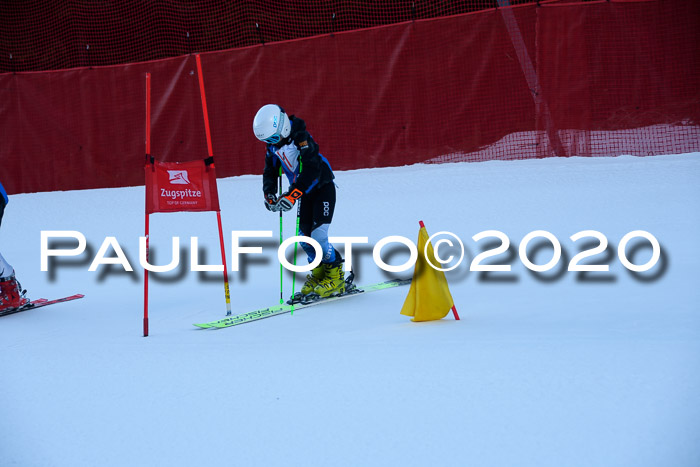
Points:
(296, 244)
(294, 275)
(281, 268)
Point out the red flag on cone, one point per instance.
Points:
(429, 297)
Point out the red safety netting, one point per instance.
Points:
(599, 78)
(58, 34)
(605, 79)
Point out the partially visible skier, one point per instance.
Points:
(11, 293)
(290, 146)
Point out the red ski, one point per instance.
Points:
(38, 303)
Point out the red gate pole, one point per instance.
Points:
(148, 160)
(227, 292)
(223, 260)
(145, 287)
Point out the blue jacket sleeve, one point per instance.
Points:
(3, 193)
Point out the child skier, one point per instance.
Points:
(290, 146)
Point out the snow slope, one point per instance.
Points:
(545, 369)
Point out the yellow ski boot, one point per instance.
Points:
(313, 279)
(334, 281)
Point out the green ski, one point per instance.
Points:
(282, 309)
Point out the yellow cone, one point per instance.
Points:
(429, 297)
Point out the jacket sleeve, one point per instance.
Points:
(310, 161)
(3, 196)
(270, 174)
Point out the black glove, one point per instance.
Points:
(271, 202)
(287, 200)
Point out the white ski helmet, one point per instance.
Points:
(271, 124)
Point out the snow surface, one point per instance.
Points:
(549, 369)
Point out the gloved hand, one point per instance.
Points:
(271, 202)
(287, 199)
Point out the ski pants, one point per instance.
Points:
(315, 216)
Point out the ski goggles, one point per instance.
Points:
(274, 139)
